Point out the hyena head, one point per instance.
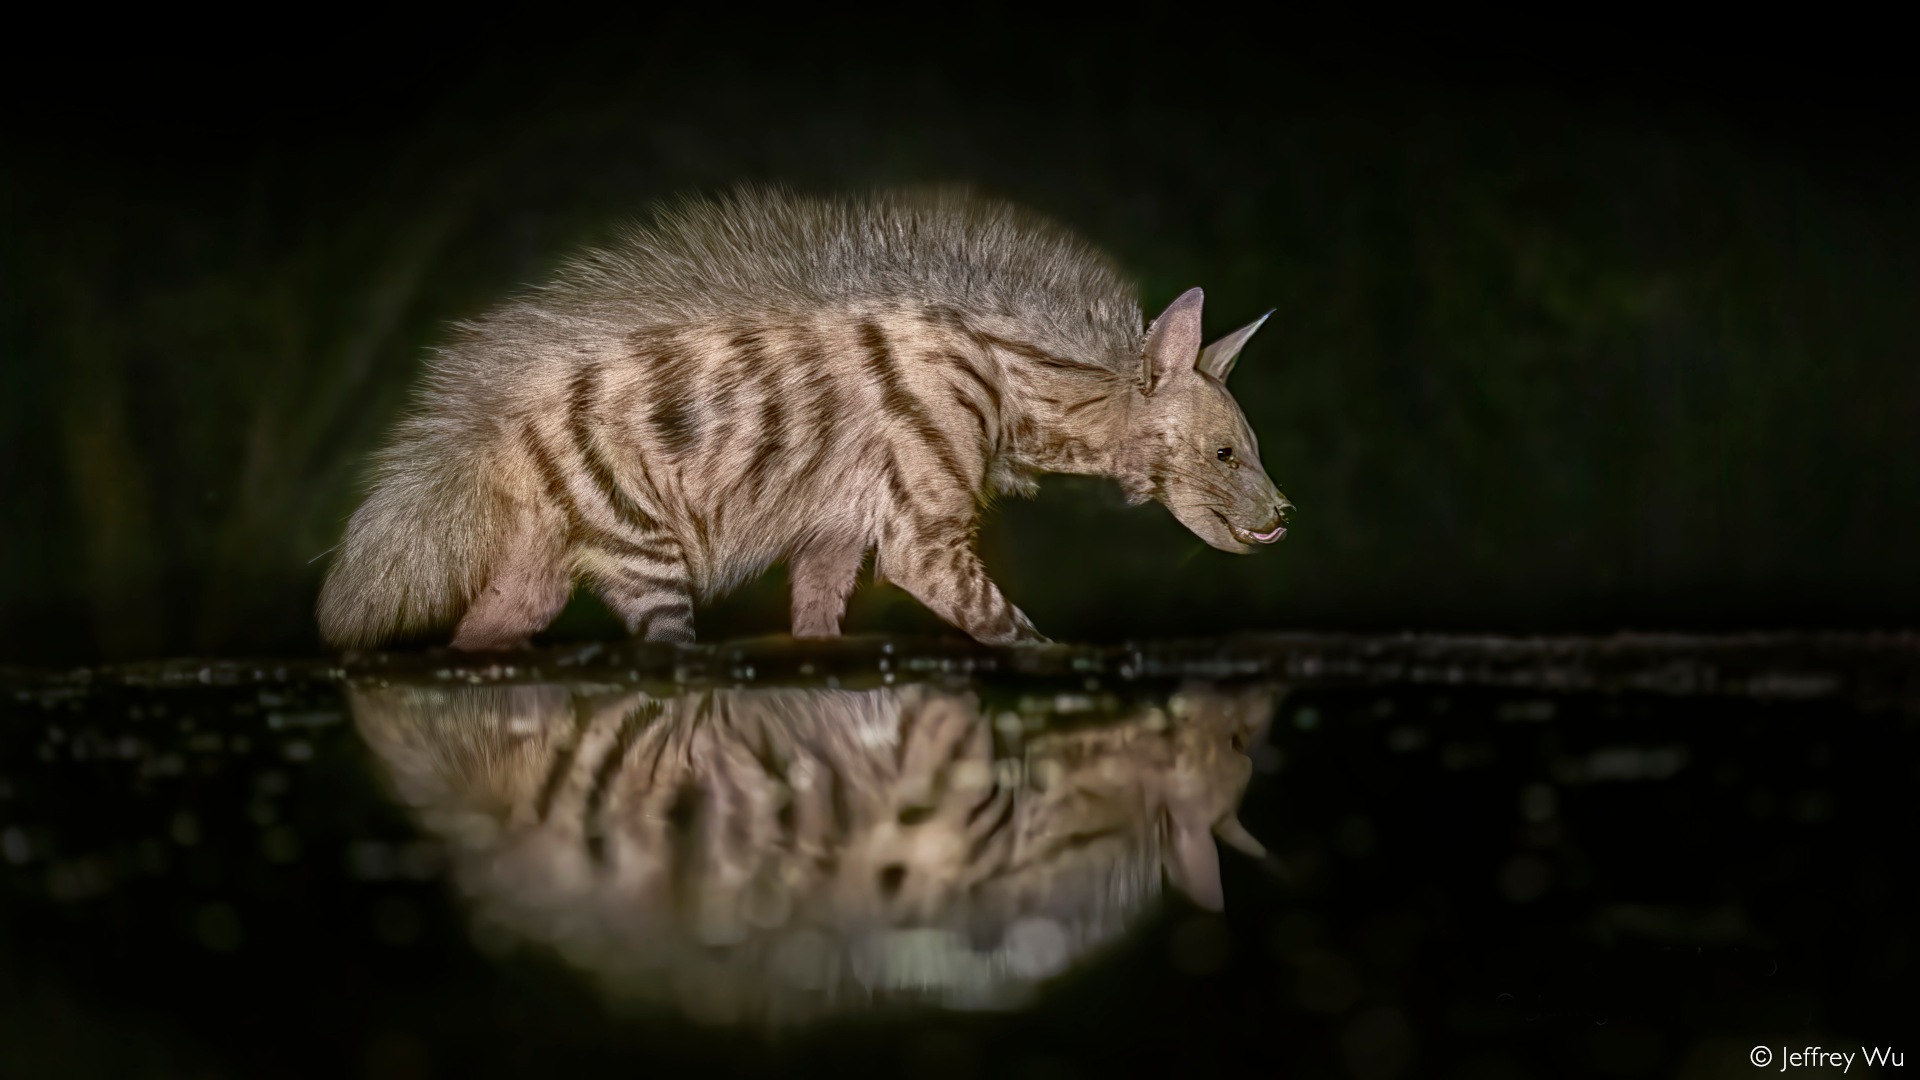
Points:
(1187, 443)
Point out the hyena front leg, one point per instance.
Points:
(938, 566)
(823, 577)
(526, 588)
(645, 583)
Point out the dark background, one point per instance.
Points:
(1594, 324)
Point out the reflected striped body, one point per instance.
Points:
(752, 850)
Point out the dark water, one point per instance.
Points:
(768, 862)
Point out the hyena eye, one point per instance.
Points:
(1225, 453)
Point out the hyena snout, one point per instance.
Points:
(1275, 528)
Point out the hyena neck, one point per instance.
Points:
(1066, 419)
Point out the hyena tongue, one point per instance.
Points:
(1194, 866)
(1235, 835)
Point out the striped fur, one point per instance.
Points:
(716, 839)
(768, 378)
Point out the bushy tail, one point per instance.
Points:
(418, 550)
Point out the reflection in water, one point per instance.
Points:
(779, 854)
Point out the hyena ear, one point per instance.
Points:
(1173, 341)
(1193, 865)
(1217, 359)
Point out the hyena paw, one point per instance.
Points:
(1024, 633)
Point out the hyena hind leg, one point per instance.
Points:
(823, 577)
(648, 588)
(526, 589)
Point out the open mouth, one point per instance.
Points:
(1248, 536)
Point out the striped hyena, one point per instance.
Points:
(771, 377)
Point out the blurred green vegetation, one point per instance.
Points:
(1536, 364)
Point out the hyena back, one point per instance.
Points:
(772, 378)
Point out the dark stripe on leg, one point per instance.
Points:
(672, 613)
(663, 548)
(645, 582)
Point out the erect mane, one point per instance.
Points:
(758, 248)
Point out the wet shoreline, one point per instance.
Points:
(1869, 671)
